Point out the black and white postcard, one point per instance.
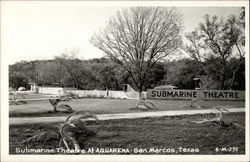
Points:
(124, 81)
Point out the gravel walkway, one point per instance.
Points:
(28, 120)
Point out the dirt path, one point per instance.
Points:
(26, 120)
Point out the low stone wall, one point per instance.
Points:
(53, 90)
(150, 94)
(88, 93)
(106, 94)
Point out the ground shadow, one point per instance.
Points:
(40, 114)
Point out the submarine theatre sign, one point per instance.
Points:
(196, 94)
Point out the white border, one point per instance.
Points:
(4, 90)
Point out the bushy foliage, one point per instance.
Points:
(103, 74)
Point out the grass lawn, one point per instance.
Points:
(105, 106)
(144, 134)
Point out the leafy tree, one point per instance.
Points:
(180, 73)
(18, 76)
(156, 75)
(17, 80)
(73, 66)
(108, 76)
(137, 38)
(48, 73)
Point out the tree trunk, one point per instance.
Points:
(75, 81)
(222, 86)
(55, 109)
(140, 97)
(232, 81)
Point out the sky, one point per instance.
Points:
(32, 31)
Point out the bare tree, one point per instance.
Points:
(137, 38)
(217, 40)
(240, 44)
(196, 50)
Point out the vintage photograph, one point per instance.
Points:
(115, 78)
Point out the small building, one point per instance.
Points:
(32, 86)
(166, 87)
(199, 82)
(127, 88)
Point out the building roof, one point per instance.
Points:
(166, 87)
